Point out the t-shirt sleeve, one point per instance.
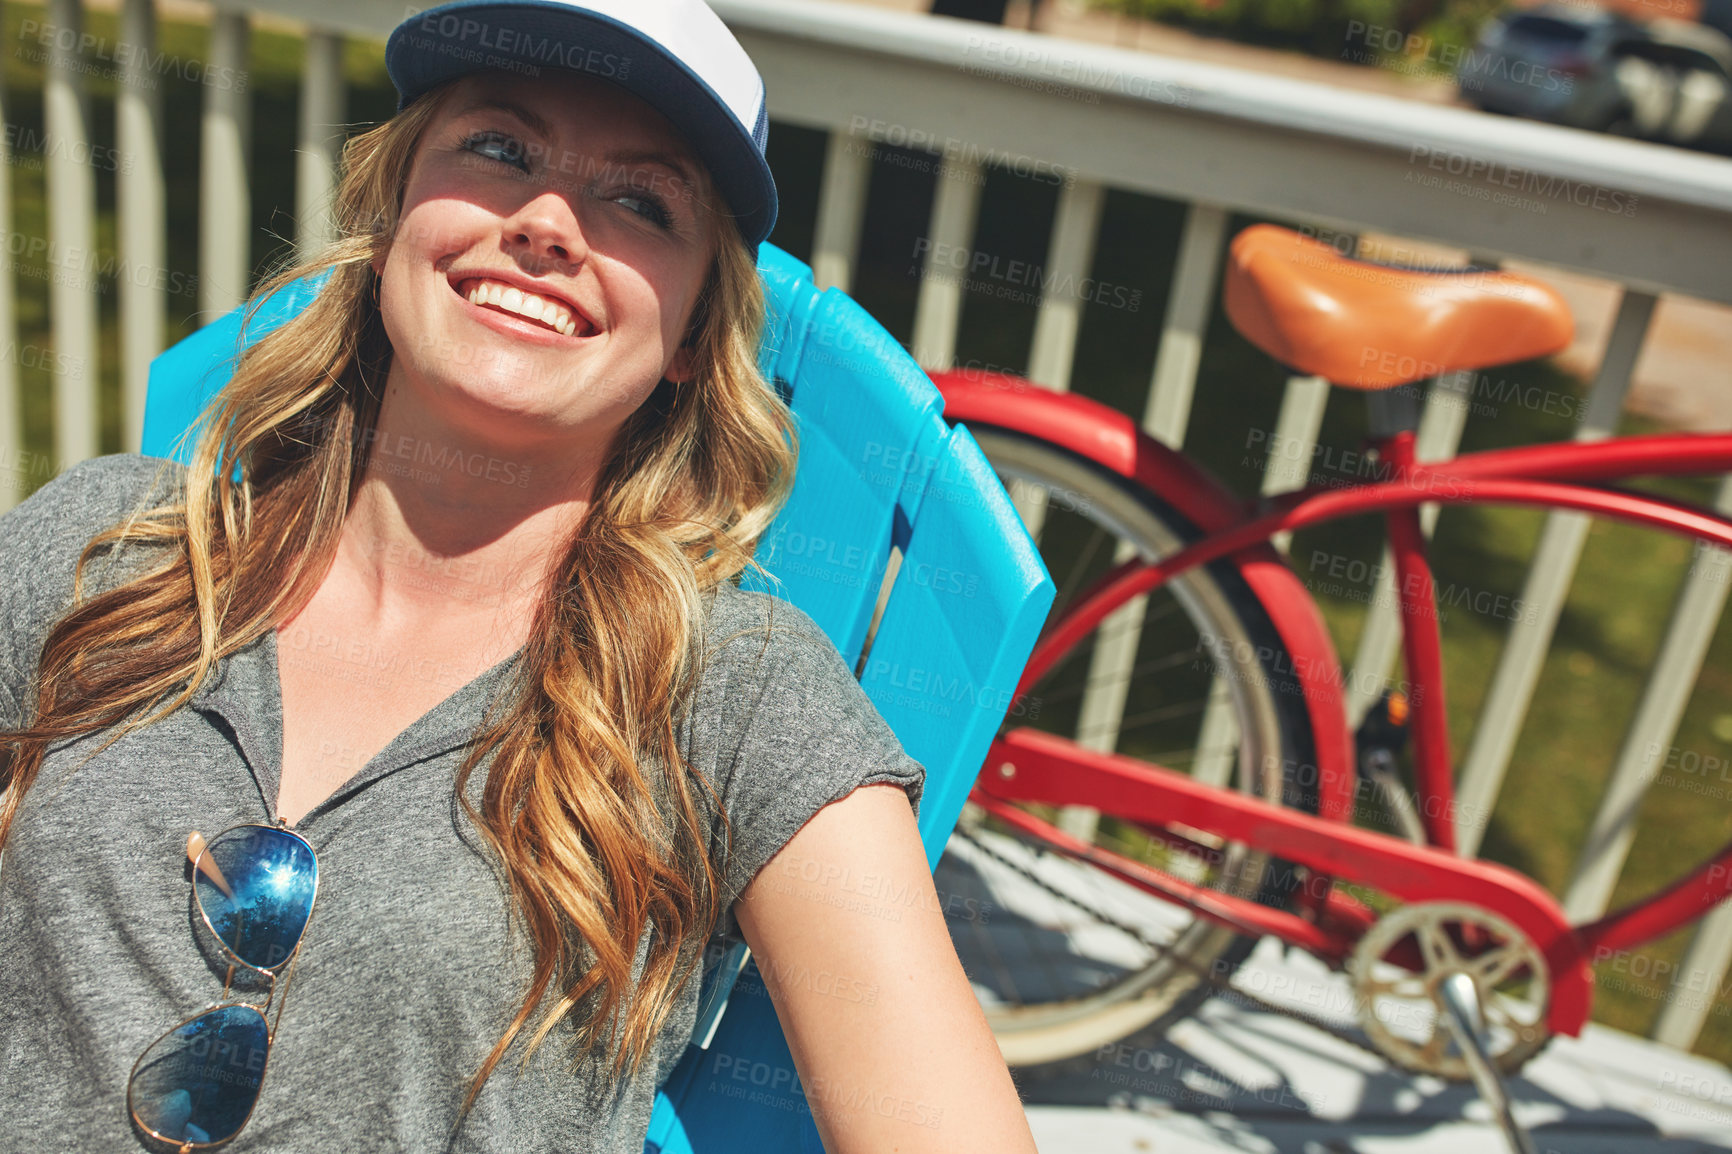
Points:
(789, 730)
(40, 541)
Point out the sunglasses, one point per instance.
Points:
(197, 1084)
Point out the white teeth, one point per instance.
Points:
(515, 300)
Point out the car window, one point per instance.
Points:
(1674, 56)
(1548, 30)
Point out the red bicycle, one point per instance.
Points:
(1189, 784)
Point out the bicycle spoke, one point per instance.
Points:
(1155, 665)
(1166, 713)
(1170, 758)
(1439, 952)
(1178, 759)
(1492, 968)
(1078, 571)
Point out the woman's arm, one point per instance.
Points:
(891, 1047)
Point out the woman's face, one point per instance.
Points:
(571, 190)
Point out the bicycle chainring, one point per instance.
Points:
(1400, 962)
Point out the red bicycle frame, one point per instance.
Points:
(1029, 766)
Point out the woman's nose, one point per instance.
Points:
(548, 230)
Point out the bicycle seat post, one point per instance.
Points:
(1391, 412)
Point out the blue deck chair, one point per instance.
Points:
(879, 468)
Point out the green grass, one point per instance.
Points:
(1607, 637)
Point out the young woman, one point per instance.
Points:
(440, 626)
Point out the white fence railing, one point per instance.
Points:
(1652, 219)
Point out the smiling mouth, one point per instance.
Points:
(552, 315)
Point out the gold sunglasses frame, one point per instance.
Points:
(198, 852)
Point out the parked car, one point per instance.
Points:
(1551, 63)
(1667, 80)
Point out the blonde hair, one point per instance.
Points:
(599, 823)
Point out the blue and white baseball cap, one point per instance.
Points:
(675, 55)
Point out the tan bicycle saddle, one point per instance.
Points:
(1370, 326)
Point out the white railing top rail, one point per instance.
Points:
(1279, 102)
(1652, 217)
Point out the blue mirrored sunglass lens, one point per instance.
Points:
(271, 877)
(198, 1082)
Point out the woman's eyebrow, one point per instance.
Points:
(540, 125)
(666, 159)
(499, 104)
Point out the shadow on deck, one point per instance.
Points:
(1231, 1078)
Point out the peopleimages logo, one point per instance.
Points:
(1521, 180)
(1415, 54)
(960, 151)
(1040, 60)
(988, 272)
(96, 55)
(470, 39)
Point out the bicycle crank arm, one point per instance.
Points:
(1462, 1014)
(1029, 766)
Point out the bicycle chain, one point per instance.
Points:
(1218, 982)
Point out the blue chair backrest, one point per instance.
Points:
(879, 469)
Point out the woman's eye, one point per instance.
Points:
(647, 207)
(486, 144)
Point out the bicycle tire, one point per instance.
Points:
(1265, 703)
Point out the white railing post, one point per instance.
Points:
(1547, 586)
(841, 210)
(938, 308)
(142, 224)
(1297, 424)
(1697, 982)
(321, 138)
(1189, 304)
(225, 201)
(1070, 255)
(72, 289)
(1304, 400)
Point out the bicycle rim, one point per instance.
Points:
(1056, 976)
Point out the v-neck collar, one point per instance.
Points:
(245, 689)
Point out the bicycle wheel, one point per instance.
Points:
(1059, 950)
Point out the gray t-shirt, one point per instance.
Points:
(407, 974)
